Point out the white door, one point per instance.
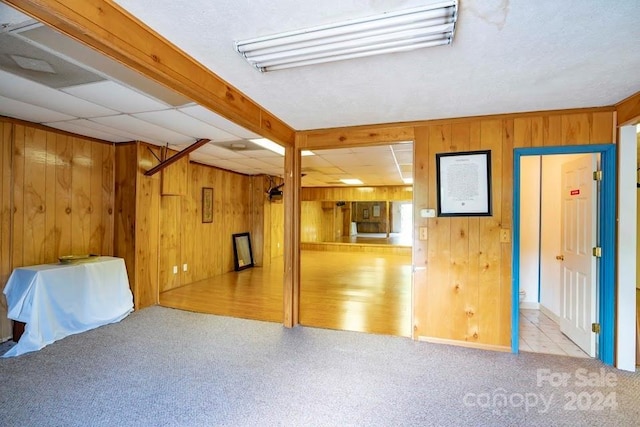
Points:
(578, 237)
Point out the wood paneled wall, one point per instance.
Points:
(5, 222)
(462, 282)
(60, 189)
(206, 248)
(355, 194)
(464, 294)
(311, 217)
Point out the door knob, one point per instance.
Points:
(560, 257)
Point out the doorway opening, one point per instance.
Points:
(605, 238)
(558, 274)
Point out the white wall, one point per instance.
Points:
(529, 229)
(550, 272)
(626, 260)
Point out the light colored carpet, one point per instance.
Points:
(164, 367)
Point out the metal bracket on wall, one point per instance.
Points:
(180, 154)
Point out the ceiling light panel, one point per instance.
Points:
(25, 90)
(399, 31)
(152, 133)
(20, 110)
(217, 121)
(74, 127)
(185, 124)
(115, 96)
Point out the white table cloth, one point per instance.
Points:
(57, 300)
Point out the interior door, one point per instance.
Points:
(578, 237)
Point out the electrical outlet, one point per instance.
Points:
(423, 233)
(505, 235)
(184, 267)
(175, 269)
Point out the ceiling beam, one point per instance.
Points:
(629, 110)
(114, 32)
(180, 154)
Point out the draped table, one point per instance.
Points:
(58, 300)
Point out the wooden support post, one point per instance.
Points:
(291, 293)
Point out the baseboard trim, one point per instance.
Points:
(481, 346)
(549, 314)
(530, 305)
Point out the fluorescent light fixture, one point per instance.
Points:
(351, 181)
(425, 26)
(269, 145)
(407, 180)
(277, 148)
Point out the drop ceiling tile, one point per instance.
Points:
(27, 91)
(153, 133)
(406, 146)
(74, 127)
(253, 163)
(185, 124)
(317, 160)
(20, 110)
(404, 157)
(219, 152)
(115, 96)
(229, 165)
(333, 151)
(274, 161)
(217, 121)
(329, 171)
(126, 136)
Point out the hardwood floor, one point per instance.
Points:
(364, 292)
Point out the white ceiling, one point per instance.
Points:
(519, 55)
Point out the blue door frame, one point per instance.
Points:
(606, 237)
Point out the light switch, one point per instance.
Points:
(427, 213)
(184, 267)
(175, 269)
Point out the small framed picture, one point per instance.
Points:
(207, 204)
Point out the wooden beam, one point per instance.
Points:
(180, 154)
(629, 110)
(114, 32)
(292, 180)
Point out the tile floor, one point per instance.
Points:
(540, 334)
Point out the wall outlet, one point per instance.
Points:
(175, 269)
(505, 235)
(423, 233)
(184, 267)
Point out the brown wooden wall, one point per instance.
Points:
(61, 191)
(5, 222)
(354, 194)
(311, 220)
(206, 248)
(462, 282)
(464, 292)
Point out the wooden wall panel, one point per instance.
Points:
(6, 146)
(124, 228)
(55, 190)
(175, 176)
(64, 155)
(464, 294)
(145, 291)
(311, 221)
(355, 194)
(170, 243)
(206, 248)
(276, 210)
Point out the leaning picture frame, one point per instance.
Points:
(464, 183)
(242, 253)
